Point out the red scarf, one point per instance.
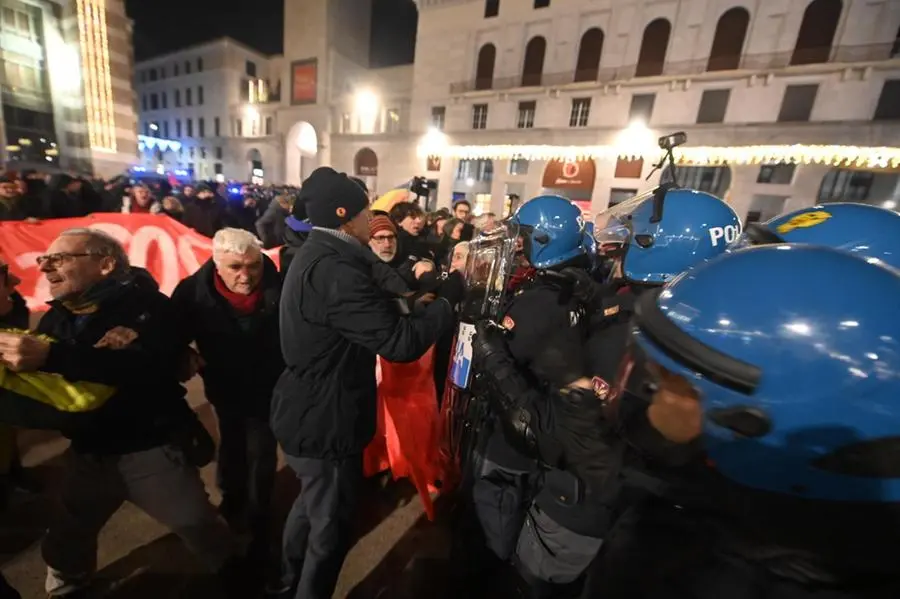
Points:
(138, 209)
(244, 305)
(519, 276)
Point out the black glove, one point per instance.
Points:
(596, 297)
(489, 350)
(584, 288)
(453, 289)
(562, 360)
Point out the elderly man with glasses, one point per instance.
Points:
(109, 324)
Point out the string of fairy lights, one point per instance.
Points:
(825, 155)
(92, 32)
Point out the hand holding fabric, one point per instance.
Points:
(23, 353)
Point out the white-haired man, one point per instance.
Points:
(229, 307)
(112, 326)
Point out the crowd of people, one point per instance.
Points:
(651, 413)
(137, 440)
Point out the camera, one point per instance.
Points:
(668, 142)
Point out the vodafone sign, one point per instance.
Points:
(576, 174)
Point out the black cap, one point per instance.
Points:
(332, 198)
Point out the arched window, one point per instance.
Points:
(588, 67)
(484, 70)
(728, 43)
(652, 57)
(820, 21)
(533, 69)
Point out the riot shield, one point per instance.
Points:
(488, 269)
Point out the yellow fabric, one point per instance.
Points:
(391, 199)
(52, 389)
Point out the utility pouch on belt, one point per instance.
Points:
(562, 487)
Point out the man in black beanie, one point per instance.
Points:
(334, 321)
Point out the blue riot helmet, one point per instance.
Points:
(868, 231)
(664, 232)
(799, 378)
(552, 230)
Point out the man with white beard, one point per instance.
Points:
(417, 274)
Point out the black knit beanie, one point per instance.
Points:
(331, 198)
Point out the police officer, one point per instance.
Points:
(789, 383)
(867, 231)
(535, 497)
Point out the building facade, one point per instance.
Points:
(68, 100)
(784, 103)
(207, 111)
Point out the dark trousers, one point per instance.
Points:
(245, 473)
(319, 529)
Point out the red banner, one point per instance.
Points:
(165, 247)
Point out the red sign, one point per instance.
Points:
(165, 247)
(305, 81)
(576, 175)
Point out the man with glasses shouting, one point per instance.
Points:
(109, 324)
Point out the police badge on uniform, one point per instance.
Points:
(601, 388)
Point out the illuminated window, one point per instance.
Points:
(20, 22)
(482, 204)
(392, 121)
(23, 77)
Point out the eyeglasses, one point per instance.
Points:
(384, 238)
(54, 260)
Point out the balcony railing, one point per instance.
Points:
(751, 62)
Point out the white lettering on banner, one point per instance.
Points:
(186, 253)
(140, 249)
(729, 232)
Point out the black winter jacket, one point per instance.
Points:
(242, 353)
(149, 408)
(335, 320)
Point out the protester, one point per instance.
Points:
(13, 315)
(335, 320)
(140, 201)
(205, 214)
(462, 210)
(271, 226)
(296, 231)
(230, 308)
(485, 222)
(172, 208)
(111, 325)
(410, 221)
(15, 204)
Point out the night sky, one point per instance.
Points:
(165, 25)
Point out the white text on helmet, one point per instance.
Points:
(729, 232)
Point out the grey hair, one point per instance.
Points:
(98, 243)
(235, 241)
